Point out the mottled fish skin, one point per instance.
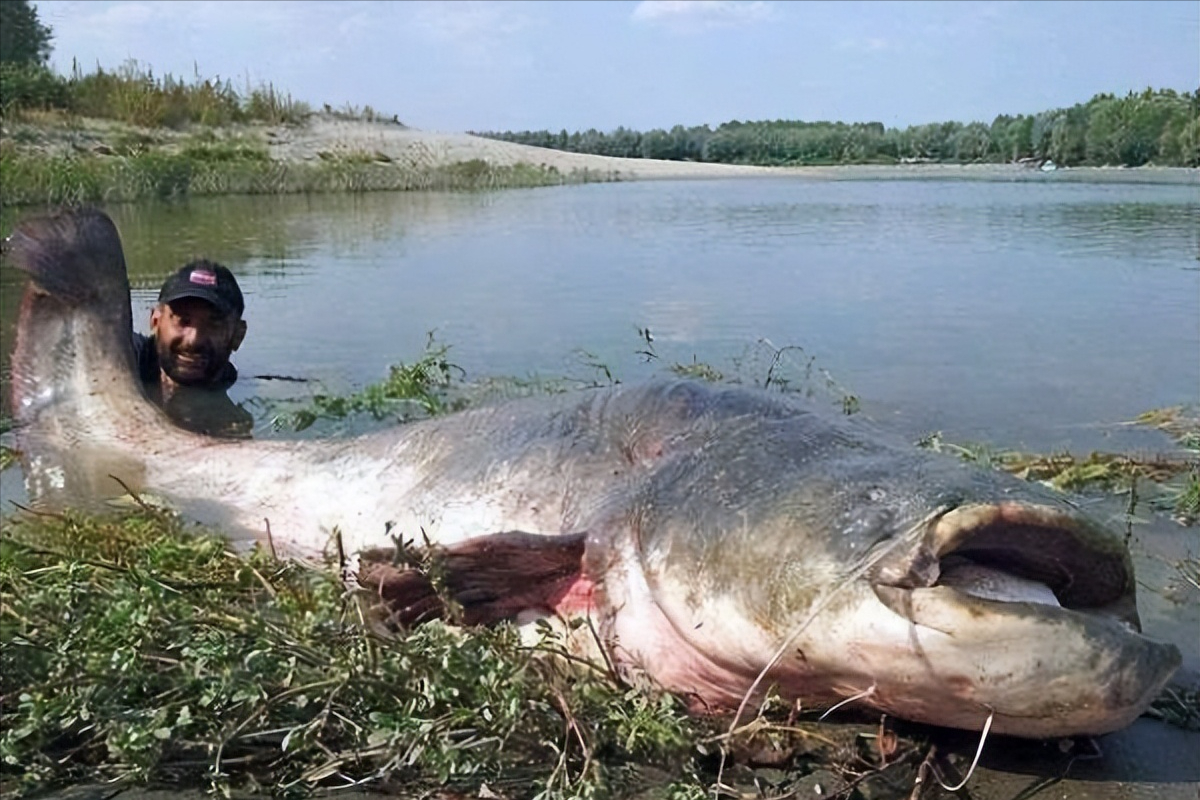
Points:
(723, 541)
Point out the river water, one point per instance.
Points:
(1025, 315)
(1035, 316)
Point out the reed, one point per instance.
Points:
(224, 168)
(132, 94)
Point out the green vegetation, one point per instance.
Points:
(433, 385)
(1178, 706)
(23, 38)
(136, 650)
(1172, 479)
(139, 651)
(1181, 423)
(219, 170)
(410, 391)
(1152, 127)
(134, 96)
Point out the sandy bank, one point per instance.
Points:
(428, 148)
(325, 137)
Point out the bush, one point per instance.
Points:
(32, 87)
(132, 94)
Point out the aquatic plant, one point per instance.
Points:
(1175, 476)
(410, 391)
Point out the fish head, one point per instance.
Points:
(1020, 610)
(824, 566)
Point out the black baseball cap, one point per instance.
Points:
(207, 281)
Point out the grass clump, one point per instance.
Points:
(1175, 476)
(138, 651)
(224, 168)
(354, 113)
(1178, 706)
(1181, 423)
(421, 389)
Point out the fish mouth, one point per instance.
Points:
(1031, 611)
(1019, 553)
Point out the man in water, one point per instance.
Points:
(184, 363)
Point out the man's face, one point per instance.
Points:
(194, 340)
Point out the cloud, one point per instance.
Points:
(480, 32)
(698, 15)
(110, 33)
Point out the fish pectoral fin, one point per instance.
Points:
(480, 581)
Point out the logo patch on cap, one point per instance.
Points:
(203, 277)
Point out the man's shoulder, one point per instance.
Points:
(227, 378)
(146, 357)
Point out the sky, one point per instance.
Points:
(491, 66)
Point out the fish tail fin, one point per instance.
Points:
(74, 387)
(73, 254)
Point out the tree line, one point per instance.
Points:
(1160, 127)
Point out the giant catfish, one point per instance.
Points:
(722, 542)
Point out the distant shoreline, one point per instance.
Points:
(1008, 172)
(86, 160)
(323, 134)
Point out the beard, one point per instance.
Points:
(191, 367)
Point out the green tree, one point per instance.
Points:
(1042, 129)
(1154, 126)
(1067, 142)
(972, 143)
(1019, 138)
(1189, 143)
(24, 40)
(657, 144)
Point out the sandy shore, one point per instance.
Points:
(430, 149)
(427, 148)
(326, 136)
